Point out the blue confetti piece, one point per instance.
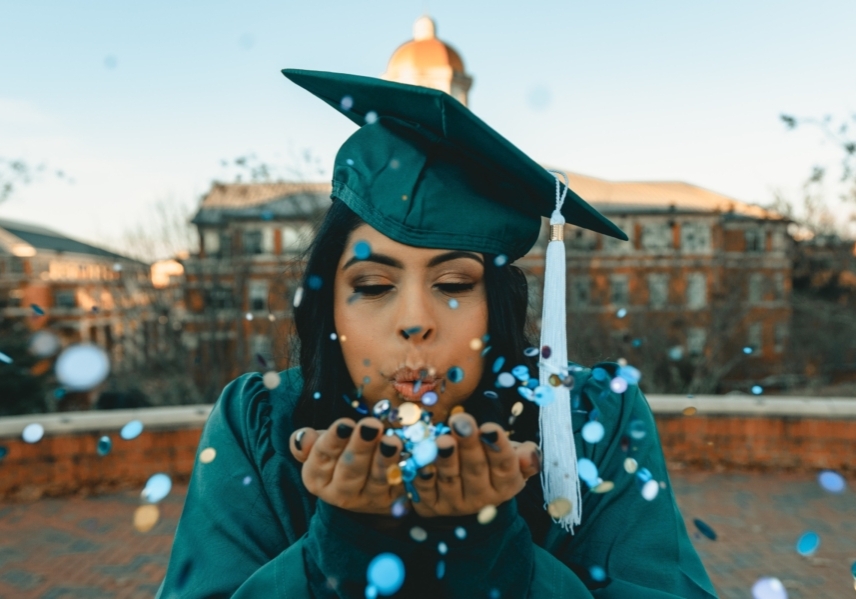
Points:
(704, 529)
(455, 374)
(497, 364)
(808, 544)
(386, 573)
(362, 250)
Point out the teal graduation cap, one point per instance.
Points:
(425, 171)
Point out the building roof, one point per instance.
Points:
(612, 197)
(20, 237)
(265, 201)
(425, 51)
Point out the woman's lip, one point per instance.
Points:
(405, 389)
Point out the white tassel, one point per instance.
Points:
(559, 455)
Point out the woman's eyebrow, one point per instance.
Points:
(440, 258)
(378, 258)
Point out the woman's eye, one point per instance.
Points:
(455, 287)
(371, 290)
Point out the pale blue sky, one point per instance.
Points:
(141, 101)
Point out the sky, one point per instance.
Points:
(140, 102)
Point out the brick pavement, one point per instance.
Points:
(85, 547)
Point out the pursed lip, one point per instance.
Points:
(412, 384)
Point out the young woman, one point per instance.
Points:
(410, 298)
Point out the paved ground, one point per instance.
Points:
(87, 547)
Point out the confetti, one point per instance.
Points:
(418, 534)
(386, 573)
(690, 411)
(453, 303)
(409, 413)
(769, 588)
(37, 311)
(82, 366)
(424, 452)
(521, 373)
(44, 344)
(622, 312)
(486, 514)
(476, 344)
(604, 487)
(636, 429)
(593, 432)
(831, 481)
(587, 472)
(546, 352)
(399, 507)
(704, 529)
(371, 117)
(618, 385)
(650, 490)
(526, 393)
(455, 374)
(491, 394)
(157, 488)
(104, 446)
(500, 260)
(676, 353)
(530, 352)
(362, 250)
(554, 380)
(207, 455)
(630, 374)
(441, 569)
(298, 297)
(5, 358)
(271, 379)
(442, 548)
(145, 517)
(747, 350)
(33, 433)
(506, 379)
(131, 430)
(808, 544)
(461, 533)
(347, 103)
(559, 508)
(517, 408)
(597, 573)
(544, 395)
(599, 374)
(497, 364)
(393, 474)
(314, 282)
(248, 315)
(757, 389)
(429, 398)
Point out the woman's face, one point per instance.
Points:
(407, 318)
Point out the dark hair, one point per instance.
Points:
(323, 366)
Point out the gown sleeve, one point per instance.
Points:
(628, 545)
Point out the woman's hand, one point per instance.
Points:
(475, 467)
(346, 465)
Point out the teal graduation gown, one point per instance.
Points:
(250, 528)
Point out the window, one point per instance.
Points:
(260, 346)
(696, 290)
(65, 298)
(695, 237)
(619, 288)
(267, 240)
(225, 246)
(16, 265)
(296, 238)
(754, 337)
(211, 242)
(580, 239)
(219, 298)
(657, 236)
(696, 338)
(252, 242)
(580, 291)
(779, 285)
(755, 239)
(258, 295)
(756, 288)
(778, 241)
(658, 290)
(780, 334)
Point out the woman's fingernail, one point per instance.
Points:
(387, 451)
(298, 438)
(445, 452)
(344, 430)
(426, 474)
(463, 427)
(536, 459)
(489, 439)
(368, 433)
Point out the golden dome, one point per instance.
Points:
(422, 53)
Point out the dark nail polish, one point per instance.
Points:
(368, 433)
(445, 452)
(298, 438)
(387, 451)
(426, 474)
(344, 430)
(462, 427)
(489, 439)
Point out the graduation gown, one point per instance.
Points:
(250, 528)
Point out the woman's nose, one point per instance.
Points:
(416, 333)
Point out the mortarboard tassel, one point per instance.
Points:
(559, 478)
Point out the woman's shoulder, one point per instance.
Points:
(609, 392)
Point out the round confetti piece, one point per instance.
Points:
(453, 303)
(705, 529)
(630, 374)
(593, 432)
(618, 385)
(145, 517)
(757, 389)
(248, 316)
(131, 430)
(424, 452)
(690, 411)
(207, 455)
(418, 534)
(461, 533)
(500, 260)
(104, 445)
(517, 408)
(371, 119)
(494, 594)
(393, 474)
(157, 487)
(5, 358)
(636, 428)
(491, 394)
(82, 366)
(362, 250)
(409, 413)
(442, 548)
(554, 380)
(347, 103)
(808, 544)
(314, 282)
(587, 471)
(604, 487)
(44, 344)
(521, 373)
(381, 408)
(676, 353)
(386, 573)
(559, 507)
(621, 313)
(530, 352)
(399, 507)
(476, 344)
(371, 590)
(630, 465)
(455, 374)
(506, 379)
(486, 514)
(546, 352)
(769, 588)
(271, 379)
(526, 393)
(298, 297)
(747, 350)
(650, 490)
(831, 481)
(497, 365)
(33, 433)
(247, 480)
(597, 573)
(429, 398)
(544, 395)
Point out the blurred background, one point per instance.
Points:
(160, 180)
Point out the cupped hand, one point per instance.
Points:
(346, 465)
(475, 467)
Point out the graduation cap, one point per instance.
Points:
(425, 171)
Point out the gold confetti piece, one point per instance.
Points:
(690, 411)
(207, 455)
(476, 344)
(457, 410)
(393, 474)
(487, 514)
(271, 379)
(418, 534)
(554, 380)
(342, 338)
(517, 408)
(630, 465)
(559, 507)
(145, 517)
(409, 413)
(604, 487)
